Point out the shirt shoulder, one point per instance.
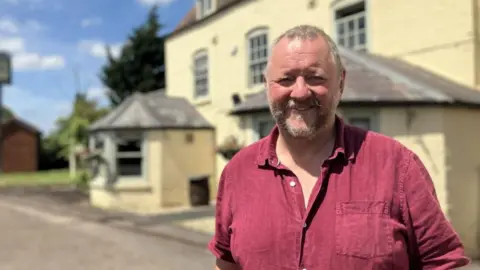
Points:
(370, 145)
(246, 157)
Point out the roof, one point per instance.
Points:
(21, 123)
(378, 80)
(190, 18)
(152, 110)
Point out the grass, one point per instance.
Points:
(40, 178)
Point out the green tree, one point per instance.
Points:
(140, 65)
(7, 113)
(74, 127)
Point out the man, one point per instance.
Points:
(319, 194)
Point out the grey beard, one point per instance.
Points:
(310, 132)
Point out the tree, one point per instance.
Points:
(74, 127)
(7, 113)
(140, 65)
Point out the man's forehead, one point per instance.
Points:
(296, 44)
(308, 52)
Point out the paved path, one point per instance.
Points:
(32, 239)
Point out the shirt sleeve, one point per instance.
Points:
(220, 243)
(433, 241)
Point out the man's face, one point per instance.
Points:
(303, 86)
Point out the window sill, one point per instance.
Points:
(123, 183)
(256, 88)
(201, 101)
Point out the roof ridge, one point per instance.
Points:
(148, 108)
(392, 74)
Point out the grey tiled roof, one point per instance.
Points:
(376, 79)
(150, 111)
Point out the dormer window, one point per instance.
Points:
(204, 8)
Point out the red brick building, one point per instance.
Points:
(20, 146)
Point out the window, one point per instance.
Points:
(257, 57)
(129, 155)
(263, 126)
(361, 122)
(204, 7)
(201, 75)
(351, 26)
(96, 142)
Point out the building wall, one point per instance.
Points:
(436, 34)
(20, 149)
(422, 131)
(476, 27)
(405, 29)
(463, 173)
(135, 194)
(182, 160)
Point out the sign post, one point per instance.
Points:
(5, 79)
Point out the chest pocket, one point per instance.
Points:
(363, 229)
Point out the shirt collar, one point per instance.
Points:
(267, 154)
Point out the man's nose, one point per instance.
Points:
(300, 89)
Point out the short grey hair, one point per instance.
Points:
(310, 32)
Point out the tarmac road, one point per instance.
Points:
(32, 239)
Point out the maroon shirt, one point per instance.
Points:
(375, 208)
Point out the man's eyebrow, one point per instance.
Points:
(296, 71)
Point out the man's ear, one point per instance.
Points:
(342, 80)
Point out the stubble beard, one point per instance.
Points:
(282, 113)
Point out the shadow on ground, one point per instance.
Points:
(77, 202)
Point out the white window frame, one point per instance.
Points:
(94, 140)
(356, 32)
(203, 9)
(371, 114)
(143, 154)
(256, 67)
(256, 120)
(201, 73)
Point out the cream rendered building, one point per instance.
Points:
(417, 84)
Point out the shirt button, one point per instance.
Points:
(292, 183)
(304, 226)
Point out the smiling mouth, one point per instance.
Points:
(302, 109)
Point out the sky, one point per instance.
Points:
(57, 47)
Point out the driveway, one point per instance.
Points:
(34, 239)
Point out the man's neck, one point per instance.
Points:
(303, 151)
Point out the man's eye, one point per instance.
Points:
(287, 79)
(315, 77)
(314, 80)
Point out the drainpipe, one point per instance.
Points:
(476, 40)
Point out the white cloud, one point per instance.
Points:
(155, 2)
(39, 110)
(96, 92)
(12, 45)
(33, 61)
(24, 60)
(8, 25)
(93, 21)
(98, 49)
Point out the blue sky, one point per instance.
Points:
(52, 40)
